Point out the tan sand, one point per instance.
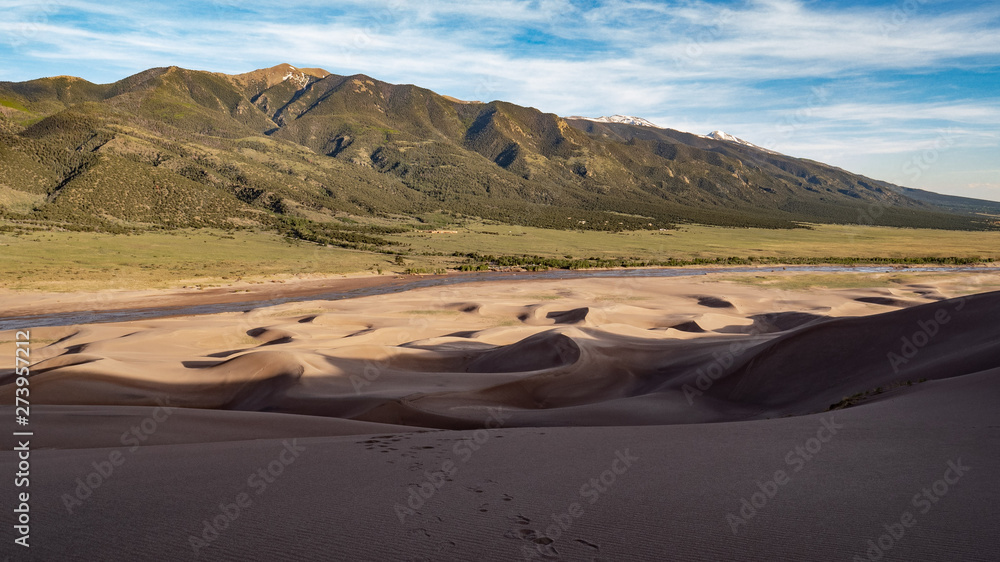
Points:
(709, 383)
(437, 357)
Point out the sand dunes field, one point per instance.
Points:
(583, 419)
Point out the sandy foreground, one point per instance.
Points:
(584, 419)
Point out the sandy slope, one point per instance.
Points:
(569, 376)
(338, 500)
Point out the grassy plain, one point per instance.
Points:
(83, 261)
(696, 241)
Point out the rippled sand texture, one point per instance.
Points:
(563, 373)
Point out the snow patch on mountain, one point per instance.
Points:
(714, 135)
(724, 136)
(626, 119)
(299, 78)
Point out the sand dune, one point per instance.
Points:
(708, 383)
(103, 427)
(349, 497)
(404, 362)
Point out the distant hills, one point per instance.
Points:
(305, 151)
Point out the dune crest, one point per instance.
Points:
(438, 358)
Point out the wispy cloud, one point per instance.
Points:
(893, 71)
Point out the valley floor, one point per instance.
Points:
(53, 261)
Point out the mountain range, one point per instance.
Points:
(309, 152)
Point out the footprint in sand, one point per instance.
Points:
(521, 534)
(420, 531)
(520, 519)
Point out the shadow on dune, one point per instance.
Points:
(255, 381)
(788, 363)
(714, 302)
(800, 364)
(802, 371)
(539, 352)
(574, 316)
(886, 301)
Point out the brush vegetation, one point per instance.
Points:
(295, 151)
(64, 260)
(348, 166)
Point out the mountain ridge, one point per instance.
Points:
(626, 119)
(284, 147)
(724, 136)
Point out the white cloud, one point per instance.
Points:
(693, 65)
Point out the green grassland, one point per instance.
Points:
(53, 260)
(173, 178)
(706, 242)
(85, 261)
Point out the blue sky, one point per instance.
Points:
(906, 91)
